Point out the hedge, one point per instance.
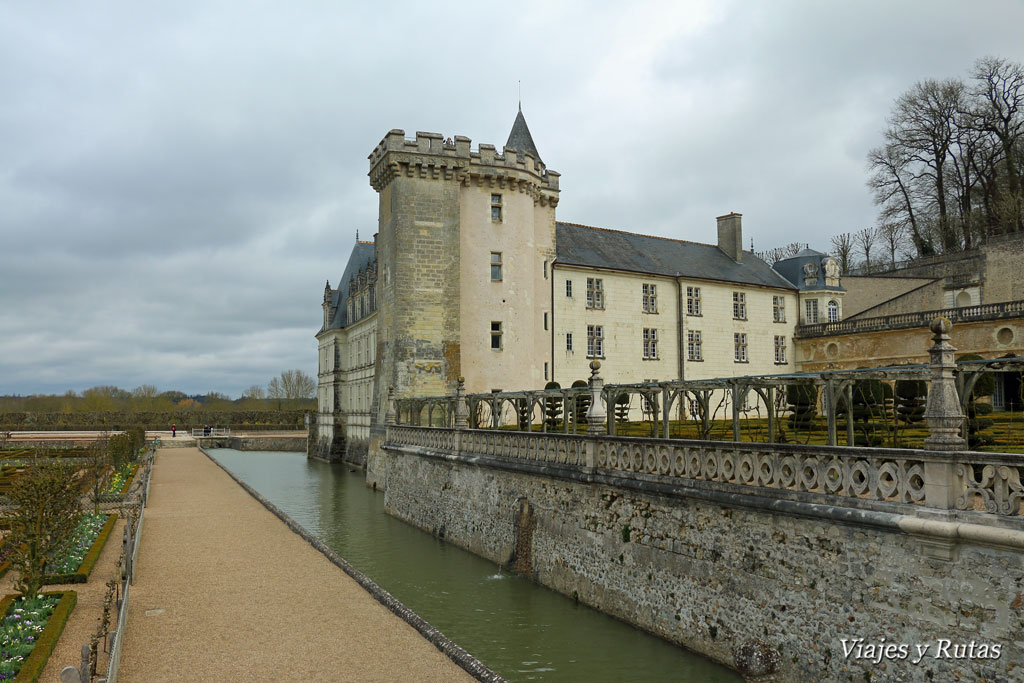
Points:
(81, 575)
(32, 667)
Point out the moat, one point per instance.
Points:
(518, 628)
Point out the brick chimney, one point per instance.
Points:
(730, 235)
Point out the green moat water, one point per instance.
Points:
(518, 628)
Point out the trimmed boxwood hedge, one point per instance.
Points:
(90, 560)
(34, 664)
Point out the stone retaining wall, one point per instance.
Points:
(295, 444)
(717, 572)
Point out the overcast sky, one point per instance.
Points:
(178, 179)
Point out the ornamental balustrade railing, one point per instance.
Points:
(942, 475)
(983, 482)
(1007, 309)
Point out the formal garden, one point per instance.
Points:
(58, 508)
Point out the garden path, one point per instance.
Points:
(224, 591)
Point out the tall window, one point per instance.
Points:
(595, 341)
(568, 341)
(495, 266)
(595, 293)
(739, 305)
(833, 311)
(780, 349)
(496, 208)
(739, 341)
(568, 287)
(693, 301)
(650, 298)
(779, 309)
(693, 345)
(811, 309)
(650, 343)
(545, 321)
(496, 335)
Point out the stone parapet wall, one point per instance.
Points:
(713, 569)
(296, 444)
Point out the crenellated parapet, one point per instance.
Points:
(430, 156)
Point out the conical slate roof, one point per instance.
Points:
(520, 137)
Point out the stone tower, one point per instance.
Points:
(464, 247)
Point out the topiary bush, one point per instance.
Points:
(581, 403)
(869, 410)
(802, 402)
(622, 408)
(552, 406)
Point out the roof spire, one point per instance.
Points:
(520, 96)
(357, 234)
(520, 138)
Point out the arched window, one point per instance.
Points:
(833, 311)
(963, 299)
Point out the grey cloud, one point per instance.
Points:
(178, 180)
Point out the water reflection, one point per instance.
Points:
(522, 630)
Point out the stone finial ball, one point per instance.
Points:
(595, 364)
(941, 326)
(462, 380)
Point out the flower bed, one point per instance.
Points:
(29, 631)
(120, 480)
(80, 554)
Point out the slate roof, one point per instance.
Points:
(793, 270)
(583, 245)
(520, 137)
(363, 254)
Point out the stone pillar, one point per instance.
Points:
(596, 415)
(390, 416)
(461, 409)
(944, 417)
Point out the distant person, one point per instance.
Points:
(174, 430)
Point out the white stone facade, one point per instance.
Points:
(467, 277)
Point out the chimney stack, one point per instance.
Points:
(730, 235)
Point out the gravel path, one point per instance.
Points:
(224, 591)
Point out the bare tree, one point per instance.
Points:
(891, 181)
(292, 384)
(893, 238)
(842, 249)
(998, 108)
(776, 254)
(923, 125)
(255, 391)
(866, 240)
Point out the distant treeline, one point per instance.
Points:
(144, 399)
(184, 419)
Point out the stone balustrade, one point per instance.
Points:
(983, 482)
(942, 476)
(1008, 309)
